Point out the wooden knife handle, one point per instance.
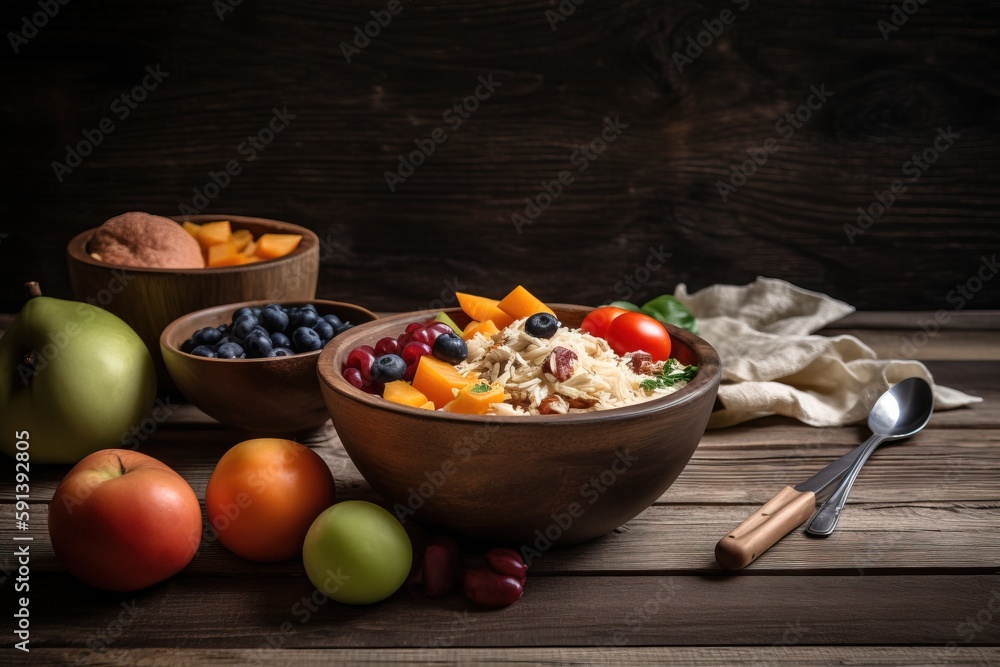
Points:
(779, 516)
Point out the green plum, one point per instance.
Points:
(357, 553)
(74, 376)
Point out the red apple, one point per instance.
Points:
(122, 521)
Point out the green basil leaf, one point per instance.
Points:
(668, 310)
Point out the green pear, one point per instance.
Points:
(75, 377)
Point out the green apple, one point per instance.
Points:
(75, 377)
(356, 552)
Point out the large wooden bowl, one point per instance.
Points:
(532, 480)
(275, 395)
(150, 299)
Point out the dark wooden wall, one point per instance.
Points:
(655, 185)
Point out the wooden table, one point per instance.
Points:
(912, 576)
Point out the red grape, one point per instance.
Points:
(422, 336)
(440, 327)
(413, 326)
(362, 358)
(386, 346)
(411, 355)
(353, 376)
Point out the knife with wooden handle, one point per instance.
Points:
(782, 514)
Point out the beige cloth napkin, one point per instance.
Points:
(773, 364)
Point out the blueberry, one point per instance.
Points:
(274, 320)
(303, 318)
(306, 340)
(255, 311)
(243, 326)
(188, 345)
(241, 313)
(278, 339)
(542, 325)
(229, 351)
(281, 352)
(333, 320)
(309, 306)
(257, 345)
(451, 348)
(324, 330)
(203, 351)
(223, 341)
(342, 328)
(207, 336)
(223, 329)
(387, 368)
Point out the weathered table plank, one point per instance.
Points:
(249, 612)
(640, 656)
(671, 539)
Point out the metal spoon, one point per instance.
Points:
(899, 413)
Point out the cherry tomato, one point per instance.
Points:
(631, 332)
(597, 321)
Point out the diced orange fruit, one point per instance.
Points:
(250, 249)
(438, 379)
(476, 398)
(482, 309)
(191, 228)
(270, 246)
(521, 303)
(241, 239)
(224, 254)
(474, 306)
(487, 328)
(402, 392)
(499, 318)
(214, 233)
(429, 405)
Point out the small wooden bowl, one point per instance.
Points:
(149, 299)
(274, 395)
(532, 480)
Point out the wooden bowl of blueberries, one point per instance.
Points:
(252, 365)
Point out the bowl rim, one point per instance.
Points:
(703, 381)
(178, 323)
(77, 247)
